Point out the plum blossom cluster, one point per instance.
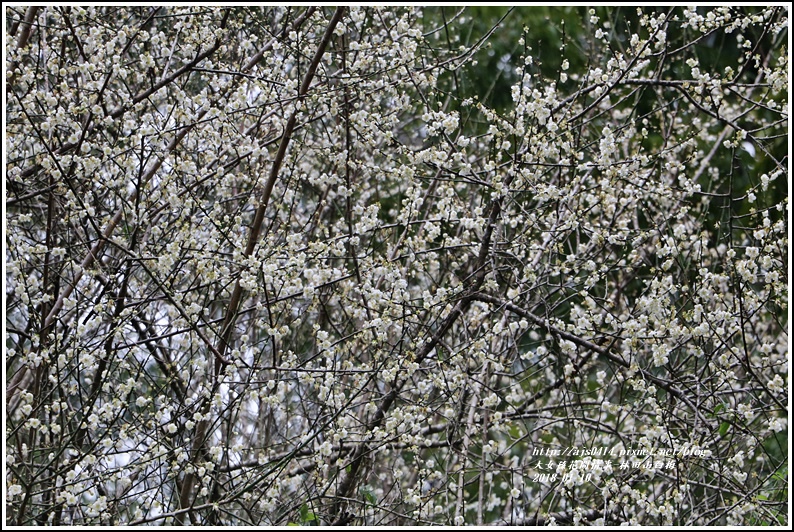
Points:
(273, 265)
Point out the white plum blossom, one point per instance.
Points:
(396, 265)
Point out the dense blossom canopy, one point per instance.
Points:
(378, 265)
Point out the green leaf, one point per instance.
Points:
(307, 517)
(368, 495)
(724, 428)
